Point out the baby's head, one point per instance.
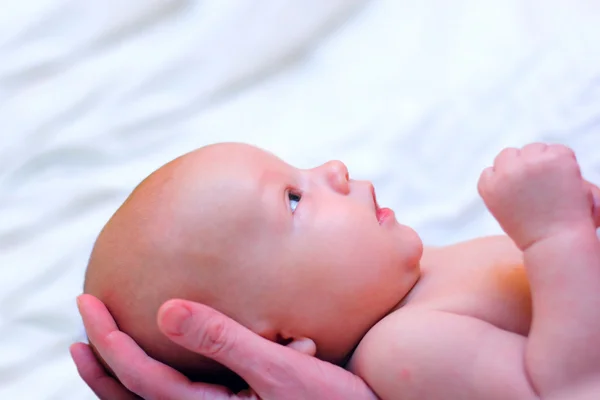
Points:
(288, 253)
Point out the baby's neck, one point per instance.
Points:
(425, 266)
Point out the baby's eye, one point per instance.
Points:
(294, 200)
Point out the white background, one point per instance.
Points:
(417, 96)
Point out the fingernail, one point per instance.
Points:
(77, 300)
(176, 320)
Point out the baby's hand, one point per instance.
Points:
(536, 192)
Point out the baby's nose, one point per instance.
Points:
(337, 175)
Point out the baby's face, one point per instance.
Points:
(331, 262)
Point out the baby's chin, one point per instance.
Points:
(411, 249)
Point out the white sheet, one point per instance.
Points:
(416, 96)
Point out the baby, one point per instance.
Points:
(307, 256)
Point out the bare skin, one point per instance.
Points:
(294, 255)
(507, 317)
(465, 330)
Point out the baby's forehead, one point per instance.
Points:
(254, 168)
(258, 186)
(235, 178)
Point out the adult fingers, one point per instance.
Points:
(273, 371)
(137, 372)
(151, 379)
(205, 331)
(92, 373)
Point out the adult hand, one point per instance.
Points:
(272, 370)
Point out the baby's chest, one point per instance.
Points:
(497, 293)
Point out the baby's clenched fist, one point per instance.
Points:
(536, 192)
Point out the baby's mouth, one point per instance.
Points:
(381, 214)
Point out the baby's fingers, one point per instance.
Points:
(484, 181)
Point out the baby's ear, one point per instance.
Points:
(303, 345)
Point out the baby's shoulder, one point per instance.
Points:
(402, 331)
(478, 252)
(417, 350)
(400, 339)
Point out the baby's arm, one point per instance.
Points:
(418, 354)
(564, 342)
(538, 196)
